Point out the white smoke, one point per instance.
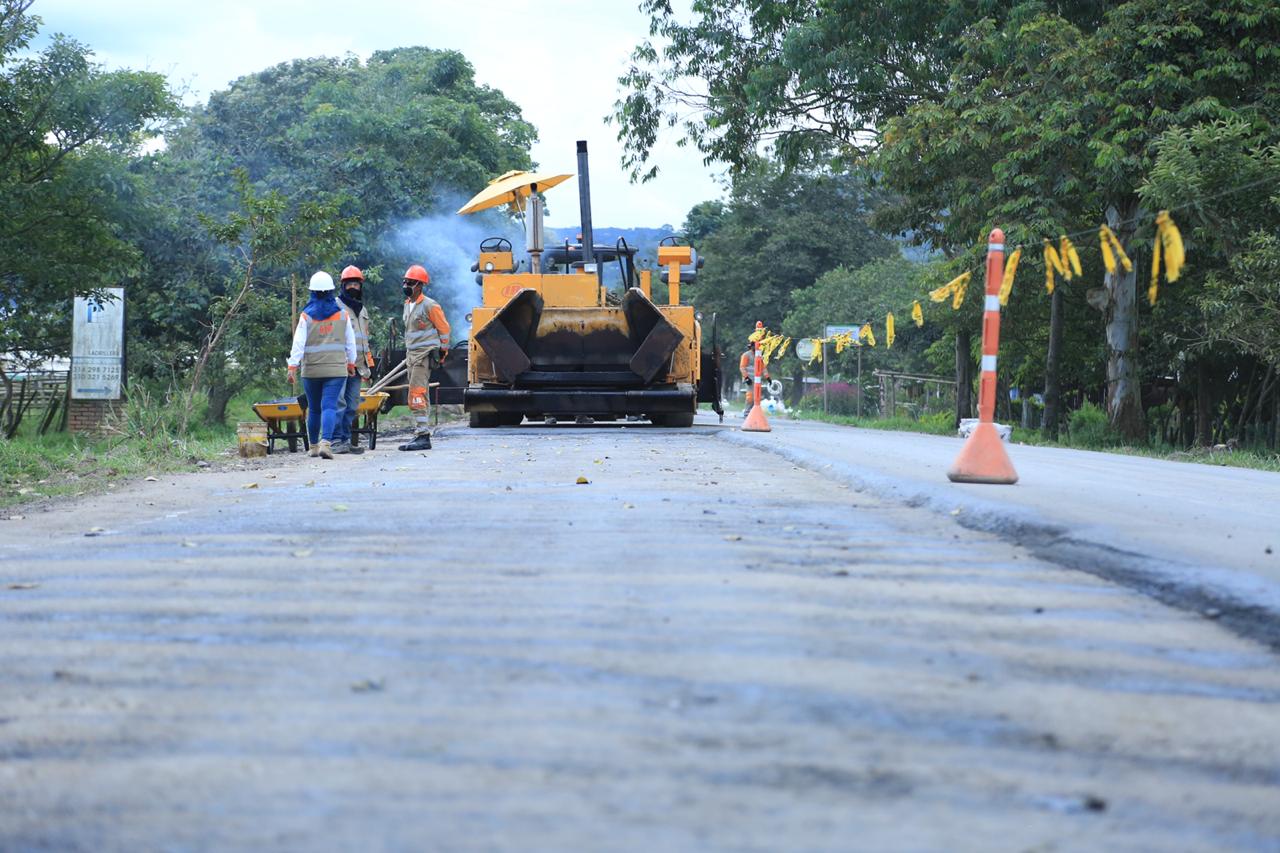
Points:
(447, 245)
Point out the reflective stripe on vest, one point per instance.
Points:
(416, 316)
(325, 353)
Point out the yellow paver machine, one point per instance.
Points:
(554, 342)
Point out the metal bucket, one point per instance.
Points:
(252, 437)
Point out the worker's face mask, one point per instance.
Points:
(408, 291)
(353, 290)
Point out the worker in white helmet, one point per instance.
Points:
(324, 347)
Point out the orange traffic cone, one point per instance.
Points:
(983, 459)
(756, 421)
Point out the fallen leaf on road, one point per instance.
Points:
(733, 537)
(367, 686)
(150, 479)
(309, 483)
(305, 552)
(340, 507)
(582, 481)
(16, 517)
(249, 486)
(23, 585)
(190, 544)
(599, 461)
(96, 531)
(271, 476)
(628, 506)
(955, 511)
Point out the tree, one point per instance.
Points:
(264, 236)
(68, 132)
(778, 232)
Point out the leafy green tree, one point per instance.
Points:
(778, 232)
(68, 132)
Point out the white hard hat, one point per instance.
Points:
(321, 281)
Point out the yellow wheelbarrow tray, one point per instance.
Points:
(286, 421)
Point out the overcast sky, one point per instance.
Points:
(565, 83)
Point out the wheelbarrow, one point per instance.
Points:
(286, 420)
(369, 408)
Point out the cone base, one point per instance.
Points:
(983, 459)
(756, 421)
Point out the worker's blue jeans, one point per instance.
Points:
(322, 406)
(348, 402)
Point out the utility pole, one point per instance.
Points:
(824, 377)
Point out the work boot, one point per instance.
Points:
(355, 449)
(315, 449)
(340, 447)
(326, 450)
(420, 442)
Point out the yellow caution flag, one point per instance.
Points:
(817, 350)
(865, 334)
(1112, 250)
(1052, 263)
(1154, 287)
(888, 330)
(957, 298)
(1171, 242)
(917, 314)
(757, 335)
(1010, 270)
(940, 294)
(1069, 256)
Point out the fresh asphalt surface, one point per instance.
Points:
(721, 641)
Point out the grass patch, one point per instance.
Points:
(1088, 438)
(142, 442)
(939, 424)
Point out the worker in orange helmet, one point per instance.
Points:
(747, 367)
(426, 343)
(351, 298)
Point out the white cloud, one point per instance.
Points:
(559, 60)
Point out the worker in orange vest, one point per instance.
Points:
(351, 298)
(426, 344)
(324, 347)
(747, 367)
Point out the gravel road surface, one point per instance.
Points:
(705, 647)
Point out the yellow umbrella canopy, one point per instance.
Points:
(511, 187)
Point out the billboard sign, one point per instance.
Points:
(97, 346)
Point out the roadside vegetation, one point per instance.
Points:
(1087, 429)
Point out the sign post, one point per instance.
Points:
(97, 346)
(831, 332)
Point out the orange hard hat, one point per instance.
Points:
(417, 273)
(351, 272)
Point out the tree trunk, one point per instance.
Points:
(964, 391)
(1203, 404)
(219, 396)
(1052, 388)
(797, 386)
(1124, 393)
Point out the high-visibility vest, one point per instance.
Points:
(325, 354)
(360, 328)
(748, 363)
(419, 332)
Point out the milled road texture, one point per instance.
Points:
(703, 648)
